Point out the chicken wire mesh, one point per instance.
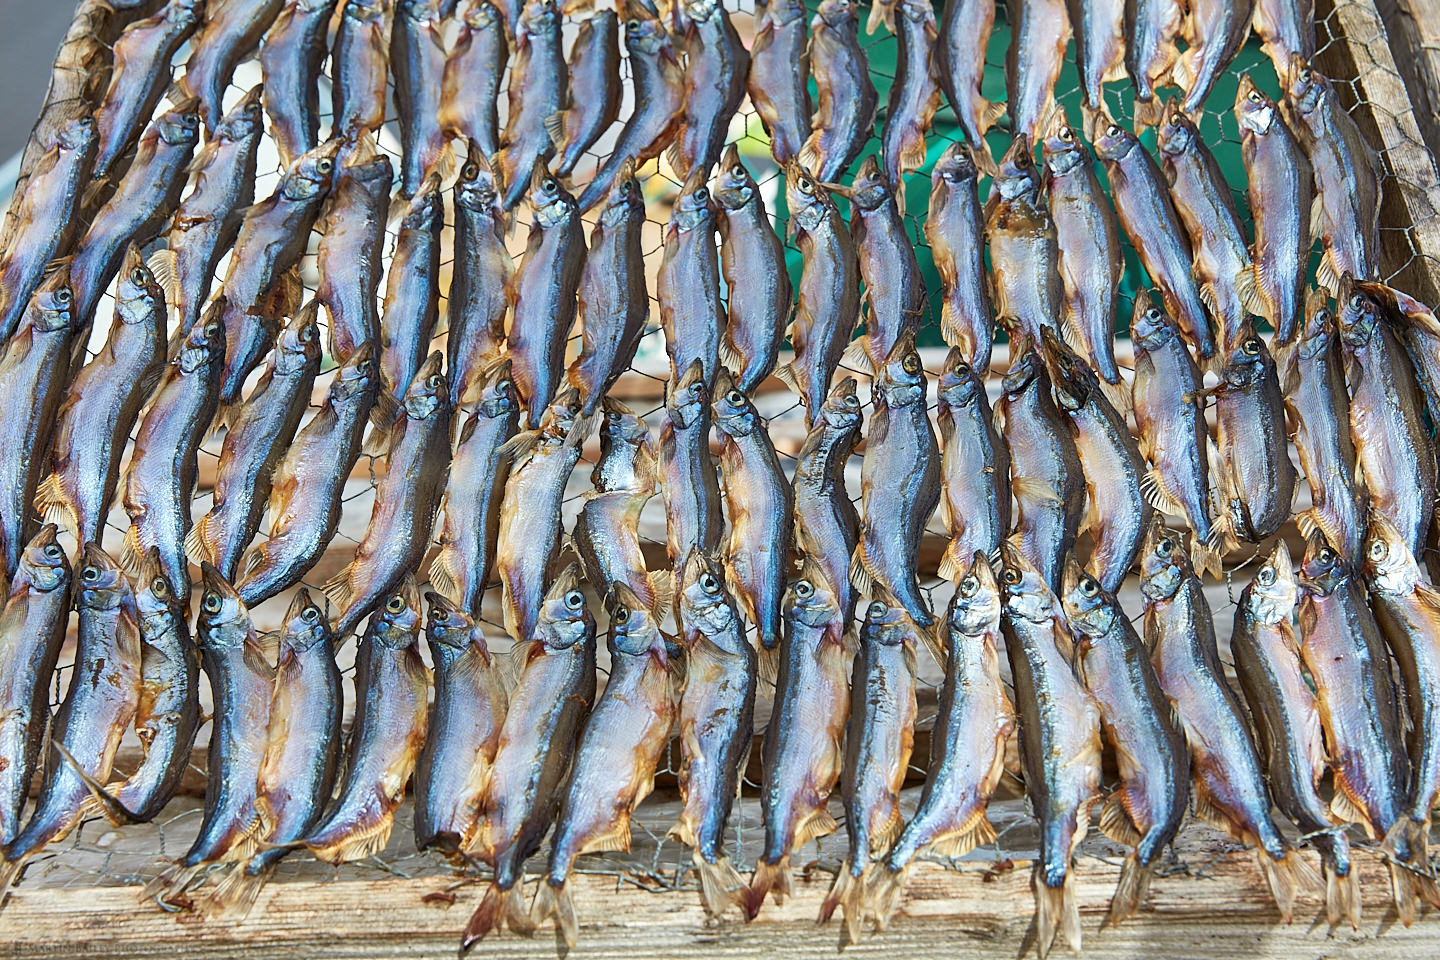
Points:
(98, 854)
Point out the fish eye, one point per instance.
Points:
(851, 400)
(1266, 576)
(1089, 588)
(139, 277)
(1067, 134)
(1252, 346)
(502, 386)
(969, 586)
(1113, 130)
(876, 610)
(632, 26)
(310, 614)
(472, 170)
(90, 574)
(364, 367)
(212, 330)
(212, 602)
(735, 398)
(1326, 555)
(1255, 97)
(806, 186)
(621, 615)
(396, 604)
(574, 600)
(1378, 550)
(53, 552)
(436, 381)
(961, 368)
(709, 583)
(548, 185)
(63, 295)
(1357, 302)
(701, 195)
(804, 588)
(1165, 547)
(738, 171)
(1011, 576)
(1154, 315)
(911, 363)
(325, 165)
(160, 587)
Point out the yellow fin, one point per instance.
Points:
(367, 841)
(554, 903)
(847, 893)
(132, 552)
(197, 549)
(857, 356)
(1131, 890)
(53, 506)
(818, 824)
(975, 832)
(1057, 914)
(720, 884)
(1115, 822)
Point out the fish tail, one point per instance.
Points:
(1131, 890)
(720, 884)
(1119, 396)
(1057, 913)
(1287, 876)
(1425, 884)
(100, 799)
(768, 879)
(554, 903)
(487, 917)
(1342, 895)
(235, 895)
(9, 873)
(847, 893)
(883, 893)
(1399, 850)
(1148, 112)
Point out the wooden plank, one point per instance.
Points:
(1414, 27)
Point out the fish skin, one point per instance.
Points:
(914, 94)
(360, 66)
(1088, 237)
(1286, 28)
(32, 629)
(141, 70)
(102, 404)
(845, 96)
(1033, 60)
(417, 62)
(1059, 723)
(960, 47)
(412, 290)
(463, 729)
(34, 370)
(539, 85)
(1250, 431)
(894, 297)
(1146, 212)
(1024, 248)
(974, 466)
(208, 220)
(1392, 448)
(1118, 513)
(595, 68)
(479, 471)
(230, 33)
(1214, 32)
(46, 219)
(716, 67)
(1099, 28)
(306, 487)
(350, 255)
(470, 84)
(899, 482)
(612, 300)
(827, 304)
(1152, 28)
(1047, 476)
(779, 76)
(827, 525)
(477, 304)
(1281, 191)
(291, 56)
(261, 284)
(1419, 330)
(955, 231)
(392, 686)
(757, 283)
(99, 703)
(1139, 725)
(688, 285)
(687, 470)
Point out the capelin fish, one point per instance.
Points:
(1059, 741)
(1396, 457)
(1214, 31)
(1146, 811)
(470, 84)
(263, 282)
(657, 87)
(688, 284)
(1416, 326)
(1047, 476)
(479, 276)
(350, 255)
(479, 472)
(539, 85)
(960, 47)
(1349, 662)
(1152, 28)
(231, 33)
(716, 65)
(141, 70)
(1250, 431)
(46, 219)
(1088, 238)
(208, 219)
(101, 406)
(32, 629)
(306, 487)
(99, 704)
(827, 304)
(827, 526)
(529, 538)
(613, 302)
(543, 293)
(1024, 248)
(974, 467)
(687, 472)
(1100, 32)
(778, 77)
(254, 445)
(714, 726)
(894, 290)
(1171, 431)
(1286, 29)
(360, 66)
(1281, 191)
(392, 686)
(1118, 514)
(845, 96)
(34, 370)
(1347, 177)
(955, 231)
(967, 744)
(548, 706)
(615, 760)
(914, 94)
(899, 484)
(161, 475)
(761, 506)
(417, 61)
(594, 69)
(295, 47)
(1040, 32)
(752, 258)
(804, 740)
(1288, 732)
(1206, 206)
(463, 729)
(1228, 782)
(1143, 204)
(406, 499)
(412, 290)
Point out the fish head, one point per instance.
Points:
(1359, 313)
(356, 377)
(811, 600)
(692, 210)
(705, 601)
(76, 134)
(1163, 564)
(975, 607)
(1025, 371)
(205, 343)
(417, 11)
(562, 417)
(959, 383)
(180, 125)
(481, 14)
(644, 31)
(551, 202)
(1150, 326)
(52, 305)
(733, 412)
(1062, 148)
(1075, 383)
(154, 593)
(734, 186)
(901, 381)
(688, 396)
(565, 617)
(187, 12)
(43, 565)
(1024, 590)
(139, 298)
(621, 427)
(916, 11)
(1270, 596)
(841, 411)
(1249, 363)
(298, 345)
(839, 13)
(497, 389)
(1115, 142)
(957, 165)
(1017, 178)
(808, 201)
(1176, 134)
(1322, 569)
(428, 395)
(1389, 564)
(366, 11)
(701, 10)
(395, 624)
(886, 621)
(626, 200)
(100, 583)
(539, 18)
(782, 12)
(478, 188)
(1089, 609)
(220, 606)
(446, 623)
(1305, 87)
(870, 189)
(244, 119)
(633, 630)
(1320, 326)
(310, 174)
(305, 623)
(1254, 111)
(426, 212)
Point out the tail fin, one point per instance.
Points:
(498, 908)
(883, 893)
(847, 893)
(1342, 896)
(552, 902)
(235, 895)
(720, 885)
(768, 878)
(1287, 878)
(1398, 847)
(1425, 883)
(1148, 113)
(1057, 914)
(1131, 891)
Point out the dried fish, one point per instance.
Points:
(412, 290)
(827, 526)
(779, 77)
(539, 85)
(757, 283)
(1024, 249)
(295, 46)
(352, 244)
(716, 64)
(974, 467)
(470, 84)
(845, 96)
(417, 62)
(894, 291)
(688, 285)
(594, 69)
(479, 276)
(955, 231)
(360, 66)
